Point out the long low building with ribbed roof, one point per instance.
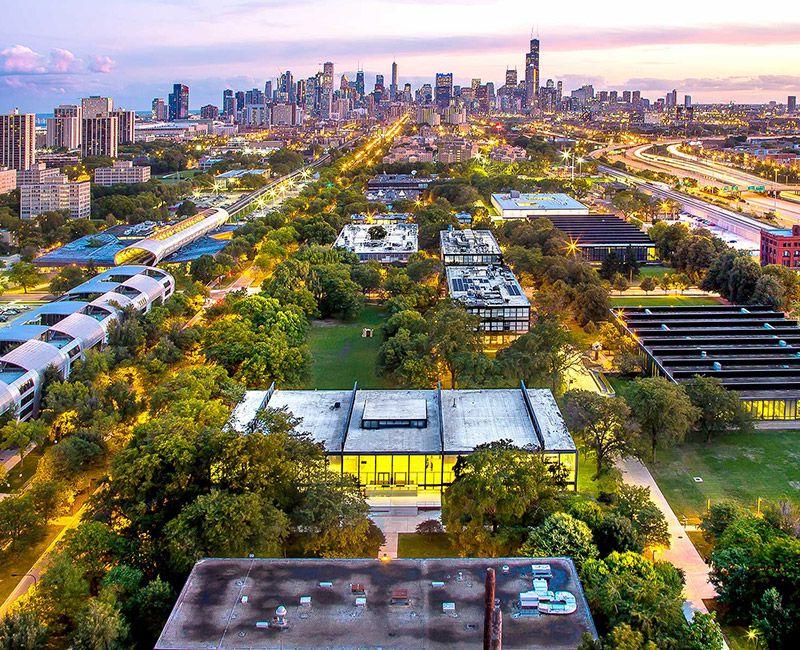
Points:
(59, 333)
(753, 350)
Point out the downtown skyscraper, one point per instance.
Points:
(532, 75)
(179, 102)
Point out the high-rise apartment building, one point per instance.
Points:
(178, 102)
(327, 76)
(209, 112)
(96, 105)
(791, 104)
(228, 103)
(64, 128)
(126, 122)
(159, 110)
(532, 75)
(17, 140)
(268, 90)
(443, 91)
(100, 136)
(48, 190)
(672, 99)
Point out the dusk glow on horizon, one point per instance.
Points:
(136, 50)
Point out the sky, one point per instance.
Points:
(55, 51)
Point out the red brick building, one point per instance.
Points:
(781, 247)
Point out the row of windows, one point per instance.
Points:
(469, 259)
(504, 326)
(387, 424)
(501, 312)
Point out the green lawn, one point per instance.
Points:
(654, 271)
(414, 545)
(738, 466)
(672, 300)
(20, 563)
(340, 356)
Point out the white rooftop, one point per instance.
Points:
(491, 286)
(468, 242)
(457, 420)
(400, 238)
(538, 203)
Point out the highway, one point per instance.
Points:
(739, 224)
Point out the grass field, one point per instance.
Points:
(672, 300)
(414, 545)
(738, 466)
(655, 271)
(21, 562)
(341, 356)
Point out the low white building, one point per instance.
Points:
(387, 244)
(8, 180)
(123, 172)
(515, 205)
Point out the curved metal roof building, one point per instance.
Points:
(151, 250)
(57, 334)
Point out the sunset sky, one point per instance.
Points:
(54, 51)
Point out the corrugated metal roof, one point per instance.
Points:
(112, 300)
(22, 332)
(35, 355)
(147, 285)
(82, 327)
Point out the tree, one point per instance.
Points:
(497, 489)
(99, 626)
(377, 232)
(187, 209)
(19, 435)
(662, 409)
(220, 524)
(620, 283)
(719, 516)
(649, 523)
(453, 338)
(648, 284)
(615, 532)
(720, 410)
(66, 279)
(626, 588)
(591, 304)
(602, 425)
(21, 630)
(25, 275)
(542, 356)
(561, 535)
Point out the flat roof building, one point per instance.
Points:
(262, 603)
(59, 333)
(597, 236)
(122, 172)
(392, 243)
(494, 295)
(8, 180)
(753, 350)
(780, 246)
(410, 440)
(469, 247)
(523, 206)
(43, 189)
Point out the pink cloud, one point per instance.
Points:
(63, 61)
(21, 59)
(102, 64)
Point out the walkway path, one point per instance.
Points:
(682, 552)
(392, 525)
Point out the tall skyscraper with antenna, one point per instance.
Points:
(532, 75)
(393, 86)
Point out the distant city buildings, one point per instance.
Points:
(100, 135)
(178, 102)
(159, 111)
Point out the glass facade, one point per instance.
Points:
(420, 470)
(772, 409)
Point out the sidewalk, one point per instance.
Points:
(681, 552)
(393, 525)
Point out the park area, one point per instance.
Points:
(744, 467)
(342, 356)
(670, 300)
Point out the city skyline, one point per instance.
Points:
(248, 42)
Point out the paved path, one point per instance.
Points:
(393, 525)
(682, 552)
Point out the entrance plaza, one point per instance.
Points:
(402, 445)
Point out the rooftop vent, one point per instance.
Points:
(361, 601)
(279, 620)
(400, 597)
(449, 608)
(717, 366)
